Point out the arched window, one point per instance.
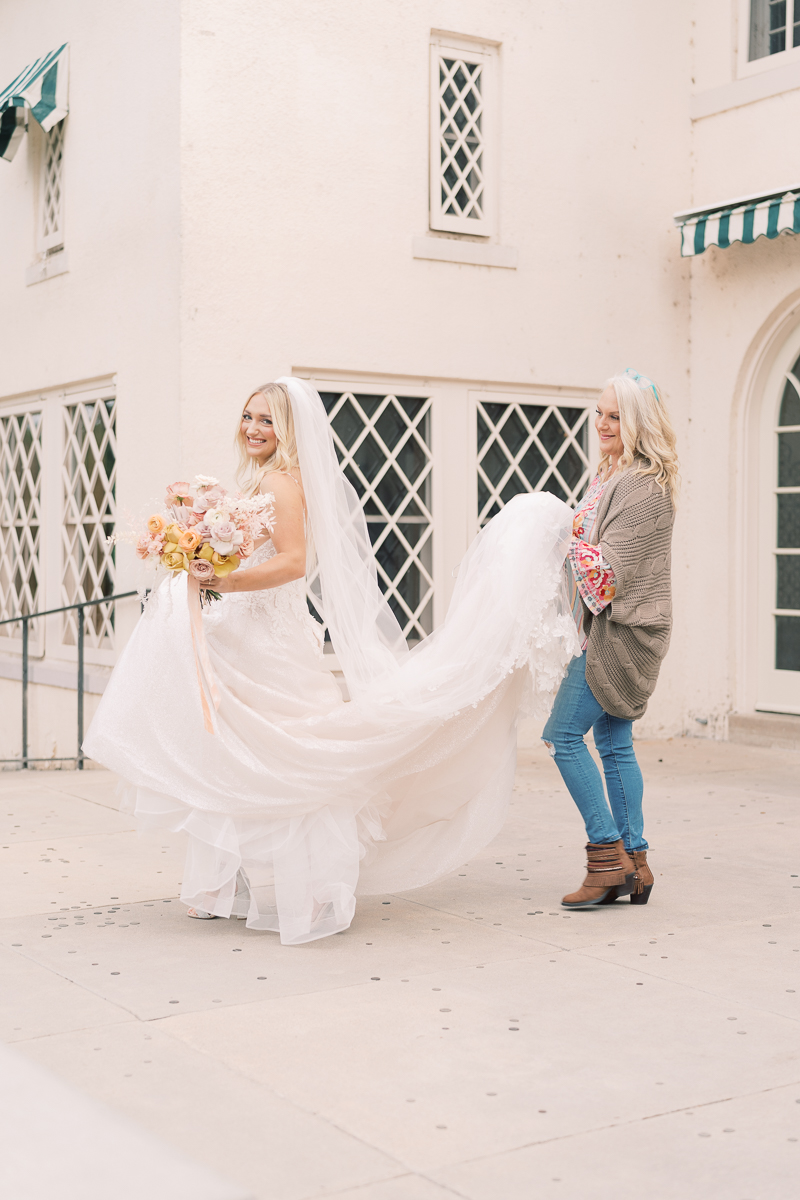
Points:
(779, 561)
(787, 548)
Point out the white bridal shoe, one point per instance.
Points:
(241, 902)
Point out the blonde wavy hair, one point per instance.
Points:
(285, 456)
(648, 438)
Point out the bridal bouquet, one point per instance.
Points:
(204, 530)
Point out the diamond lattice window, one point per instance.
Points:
(383, 444)
(20, 517)
(52, 190)
(525, 447)
(89, 480)
(460, 93)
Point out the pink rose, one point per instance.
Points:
(179, 493)
(246, 547)
(224, 531)
(143, 546)
(203, 531)
(209, 498)
(202, 570)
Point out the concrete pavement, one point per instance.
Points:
(509, 1051)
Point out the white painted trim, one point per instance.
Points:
(752, 387)
(472, 253)
(55, 676)
(745, 67)
(472, 51)
(708, 210)
(747, 90)
(46, 268)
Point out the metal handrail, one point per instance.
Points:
(25, 618)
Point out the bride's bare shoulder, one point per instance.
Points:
(287, 489)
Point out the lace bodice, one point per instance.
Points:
(282, 610)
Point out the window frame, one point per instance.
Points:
(11, 640)
(777, 690)
(543, 397)
(487, 54)
(48, 641)
(52, 243)
(747, 66)
(391, 386)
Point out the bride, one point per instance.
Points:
(295, 800)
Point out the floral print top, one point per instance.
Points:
(590, 579)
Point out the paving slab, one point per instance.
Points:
(149, 958)
(36, 1001)
(474, 1061)
(736, 1149)
(91, 1152)
(214, 1115)
(405, 1187)
(81, 870)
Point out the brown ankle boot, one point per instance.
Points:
(610, 873)
(644, 877)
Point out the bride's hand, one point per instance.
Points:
(222, 585)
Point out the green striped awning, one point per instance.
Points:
(765, 215)
(42, 88)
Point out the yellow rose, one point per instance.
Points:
(174, 533)
(155, 524)
(175, 560)
(206, 552)
(224, 563)
(169, 547)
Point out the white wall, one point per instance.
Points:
(244, 182)
(738, 296)
(116, 310)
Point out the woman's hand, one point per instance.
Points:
(222, 585)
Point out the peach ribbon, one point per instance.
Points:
(205, 675)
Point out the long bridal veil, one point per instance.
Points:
(318, 799)
(445, 714)
(507, 611)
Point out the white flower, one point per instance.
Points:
(204, 481)
(227, 547)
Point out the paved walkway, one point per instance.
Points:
(468, 1039)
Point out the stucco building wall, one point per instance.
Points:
(243, 186)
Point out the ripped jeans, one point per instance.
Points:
(574, 713)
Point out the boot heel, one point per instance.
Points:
(643, 896)
(626, 888)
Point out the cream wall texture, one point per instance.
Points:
(243, 183)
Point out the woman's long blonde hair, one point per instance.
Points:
(285, 456)
(646, 431)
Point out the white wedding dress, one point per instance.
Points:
(318, 799)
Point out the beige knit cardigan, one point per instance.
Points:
(629, 639)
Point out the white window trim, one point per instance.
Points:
(566, 398)
(370, 386)
(777, 691)
(770, 62)
(11, 643)
(487, 54)
(49, 644)
(51, 243)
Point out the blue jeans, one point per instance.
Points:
(574, 713)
